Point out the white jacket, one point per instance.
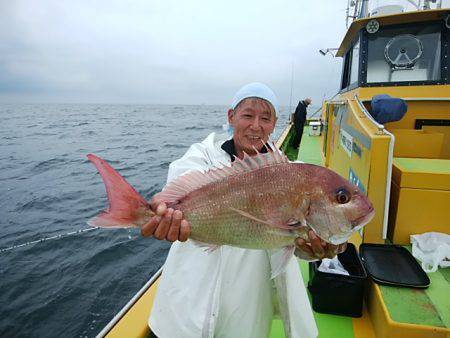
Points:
(227, 292)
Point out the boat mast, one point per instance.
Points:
(364, 11)
(351, 3)
(360, 11)
(361, 7)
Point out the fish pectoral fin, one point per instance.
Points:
(253, 218)
(280, 259)
(272, 223)
(206, 246)
(301, 219)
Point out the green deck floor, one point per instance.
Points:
(310, 148)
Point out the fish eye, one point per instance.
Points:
(342, 196)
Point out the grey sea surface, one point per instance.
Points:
(73, 286)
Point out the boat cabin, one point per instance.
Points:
(411, 50)
(388, 129)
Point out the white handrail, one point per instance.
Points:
(389, 165)
(388, 182)
(370, 117)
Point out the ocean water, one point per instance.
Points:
(73, 286)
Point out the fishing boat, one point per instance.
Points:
(402, 163)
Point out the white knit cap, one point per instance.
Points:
(255, 89)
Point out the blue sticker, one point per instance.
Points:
(356, 181)
(357, 149)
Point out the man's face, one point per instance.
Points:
(253, 121)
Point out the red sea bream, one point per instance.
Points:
(259, 202)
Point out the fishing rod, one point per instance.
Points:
(292, 85)
(323, 99)
(45, 239)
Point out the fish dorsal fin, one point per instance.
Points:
(193, 180)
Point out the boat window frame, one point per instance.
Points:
(445, 54)
(345, 74)
(358, 74)
(347, 64)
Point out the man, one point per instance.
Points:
(299, 120)
(227, 292)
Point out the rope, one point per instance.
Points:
(323, 99)
(318, 110)
(45, 239)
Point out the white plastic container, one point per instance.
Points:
(315, 128)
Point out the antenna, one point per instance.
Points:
(292, 85)
(351, 3)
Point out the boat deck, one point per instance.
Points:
(395, 312)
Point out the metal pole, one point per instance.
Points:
(292, 85)
(364, 9)
(347, 12)
(355, 12)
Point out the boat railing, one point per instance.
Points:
(364, 110)
(279, 142)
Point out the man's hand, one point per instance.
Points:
(166, 224)
(318, 249)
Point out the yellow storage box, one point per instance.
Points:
(420, 198)
(417, 143)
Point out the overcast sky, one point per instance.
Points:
(167, 51)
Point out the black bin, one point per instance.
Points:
(339, 294)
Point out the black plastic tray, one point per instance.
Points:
(393, 265)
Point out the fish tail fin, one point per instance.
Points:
(127, 207)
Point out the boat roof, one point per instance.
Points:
(392, 19)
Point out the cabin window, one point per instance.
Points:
(411, 53)
(345, 71)
(355, 64)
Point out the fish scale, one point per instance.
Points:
(216, 223)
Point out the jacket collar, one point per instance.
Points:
(229, 147)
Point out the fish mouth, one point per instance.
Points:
(363, 220)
